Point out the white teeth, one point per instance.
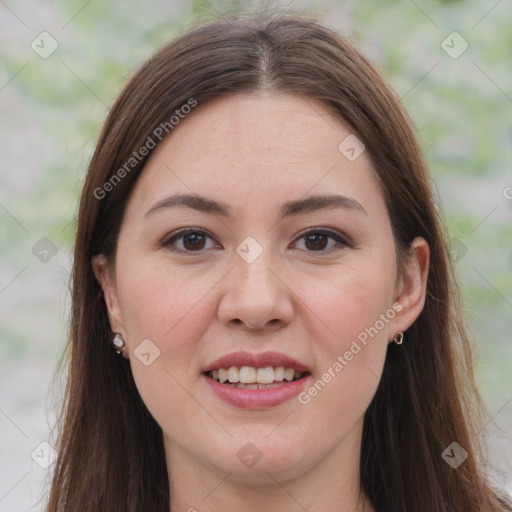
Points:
(254, 386)
(247, 374)
(289, 374)
(246, 386)
(250, 375)
(265, 375)
(279, 373)
(233, 374)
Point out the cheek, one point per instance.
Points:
(352, 313)
(349, 301)
(164, 303)
(169, 309)
(336, 401)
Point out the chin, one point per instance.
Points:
(261, 461)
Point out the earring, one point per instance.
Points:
(398, 338)
(118, 343)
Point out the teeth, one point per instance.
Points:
(254, 386)
(223, 375)
(246, 386)
(279, 373)
(265, 375)
(233, 374)
(246, 375)
(289, 374)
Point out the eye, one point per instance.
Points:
(316, 240)
(193, 240)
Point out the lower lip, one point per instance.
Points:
(256, 398)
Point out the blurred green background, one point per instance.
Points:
(53, 104)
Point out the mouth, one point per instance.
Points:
(251, 377)
(256, 381)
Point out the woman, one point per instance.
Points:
(264, 310)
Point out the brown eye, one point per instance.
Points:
(318, 240)
(195, 240)
(192, 240)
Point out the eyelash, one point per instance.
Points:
(340, 241)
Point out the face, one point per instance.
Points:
(263, 269)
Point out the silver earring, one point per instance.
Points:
(118, 343)
(398, 338)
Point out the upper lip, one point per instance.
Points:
(242, 358)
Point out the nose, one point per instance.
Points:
(256, 296)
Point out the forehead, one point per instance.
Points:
(256, 146)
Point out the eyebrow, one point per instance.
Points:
(288, 209)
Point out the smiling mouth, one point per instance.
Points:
(249, 377)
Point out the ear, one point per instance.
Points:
(103, 273)
(412, 285)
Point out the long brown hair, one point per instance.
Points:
(111, 454)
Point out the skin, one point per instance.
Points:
(255, 152)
